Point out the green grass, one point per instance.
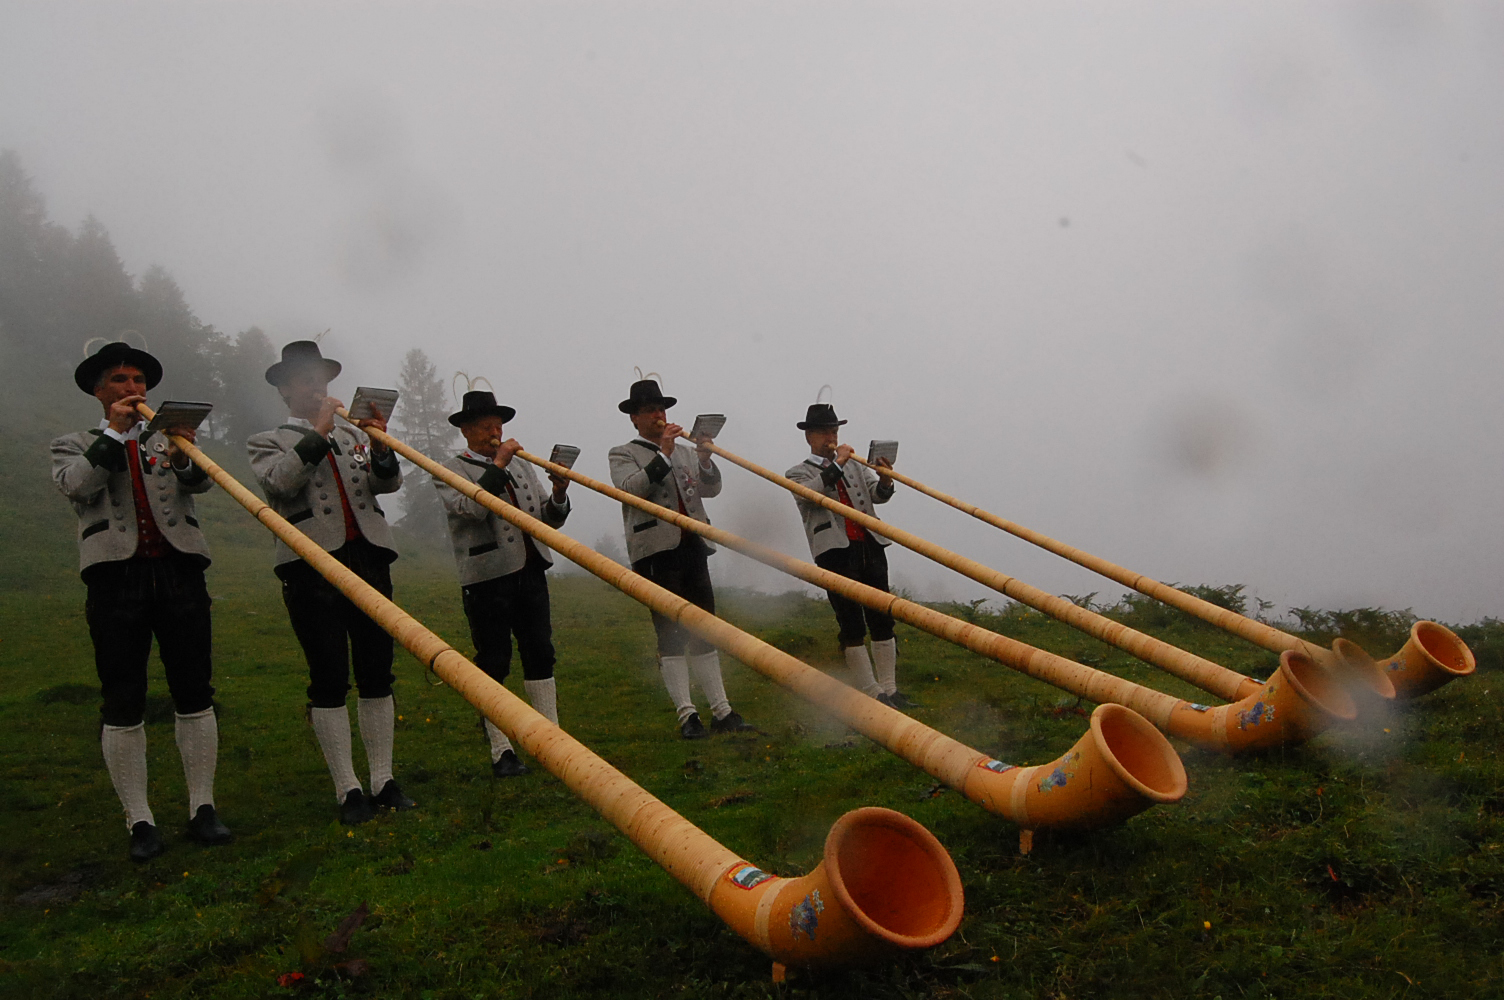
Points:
(1366, 863)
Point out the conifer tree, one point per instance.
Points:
(423, 418)
(250, 404)
(172, 331)
(99, 297)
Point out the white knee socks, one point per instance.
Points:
(125, 757)
(675, 671)
(860, 666)
(885, 660)
(544, 697)
(378, 723)
(499, 742)
(707, 668)
(198, 745)
(332, 727)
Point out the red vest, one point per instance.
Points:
(854, 531)
(150, 542)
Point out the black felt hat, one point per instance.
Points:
(86, 375)
(645, 392)
(480, 403)
(297, 355)
(819, 415)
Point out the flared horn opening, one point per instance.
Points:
(1139, 753)
(1121, 766)
(1300, 700)
(1317, 686)
(894, 878)
(1366, 676)
(885, 885)
(1433, 656)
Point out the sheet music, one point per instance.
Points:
(708, 425)
(882, 449)
(384, 400)
(565, 455)
(177, 413)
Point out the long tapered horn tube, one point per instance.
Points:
(1303, 707)
(1409, 673)
(1197, 670)
(946, 759)
(1127, 766)
(838, 915)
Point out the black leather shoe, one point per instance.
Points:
(731, 722)
(901, 701)
(206, 828)
(508, 766)
(887, 699)
(146, 842)
(356, 809)
(692, 728)
(391, 797)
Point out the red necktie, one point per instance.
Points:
(351, 531)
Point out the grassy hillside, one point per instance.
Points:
(1366, 863)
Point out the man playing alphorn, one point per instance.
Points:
(325, 479)
(502, 569)
(142, 557)
(656, 467)
(843, 547)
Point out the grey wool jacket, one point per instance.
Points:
(292, 465)
(92, 470)
(487, 546)
(824, 529)
(640, 469)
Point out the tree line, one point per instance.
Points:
(60, 289)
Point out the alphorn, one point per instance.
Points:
(1203, 673)
(1127, 764)
(1029, 796)
(885, 882)
(1294, 705)
(1432, 656)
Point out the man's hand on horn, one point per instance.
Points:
(670, 438)
(323, 425)
(123, 415)
(505, 451)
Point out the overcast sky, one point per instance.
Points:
(1211, 290)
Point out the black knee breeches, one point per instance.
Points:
(506, 606)
(334, 632)
(684, 571)
(130, 601)
(864, 562)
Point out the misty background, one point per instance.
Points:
(1214, 292)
